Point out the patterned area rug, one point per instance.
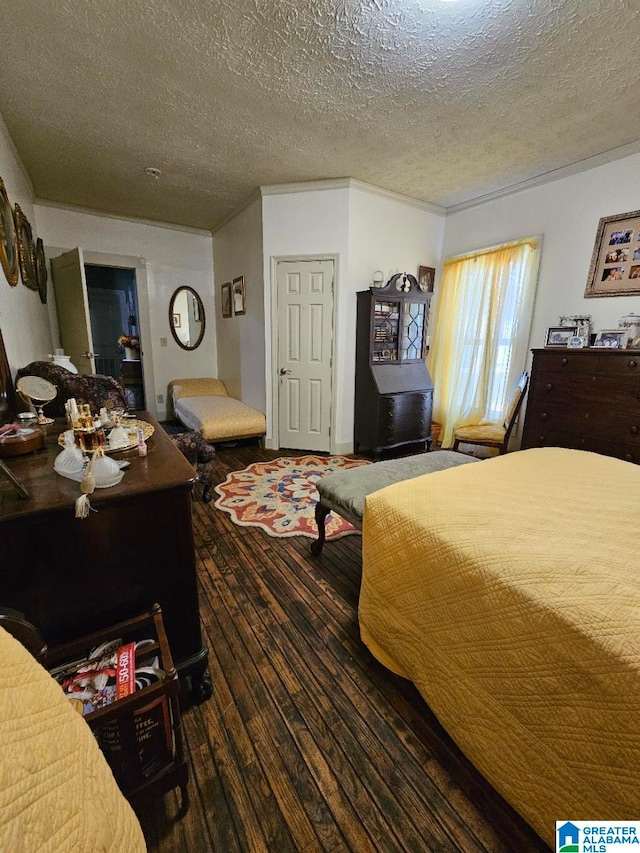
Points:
(280, 497)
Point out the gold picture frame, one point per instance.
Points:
(8, 238)
(227, 310)
(26, 249)
(615, 264)
(239, 296)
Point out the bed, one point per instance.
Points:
(509, 592)
(204, 406)
(56, 789)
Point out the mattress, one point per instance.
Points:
(57, 792)
(509, 592)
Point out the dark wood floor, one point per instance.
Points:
(308, 743)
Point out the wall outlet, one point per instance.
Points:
(159, 398)
(163, 342)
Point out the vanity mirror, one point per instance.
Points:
(186, 318)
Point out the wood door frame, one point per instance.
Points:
(275, 385)
(139, 265)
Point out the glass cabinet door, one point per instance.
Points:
(386, 323)
(413, 328)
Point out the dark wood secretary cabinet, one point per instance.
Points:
(585, 399)
(394, 392)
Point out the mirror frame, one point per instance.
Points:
(202, 317)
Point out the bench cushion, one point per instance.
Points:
(345, 491)
(220, 418)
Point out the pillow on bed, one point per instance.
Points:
(197, 388)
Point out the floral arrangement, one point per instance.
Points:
(130, 341)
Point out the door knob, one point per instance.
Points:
(284, 371)
(88, 355)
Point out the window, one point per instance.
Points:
(482, 324)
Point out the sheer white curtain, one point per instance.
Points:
(481, 332)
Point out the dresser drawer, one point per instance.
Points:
(585, 419)
(405, 417)
(574, 441)
(567, 361)
(621, 393)
(619, 364)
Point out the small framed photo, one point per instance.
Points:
(578, 342)
(612, 271)
(239, 299)
(226, 300)
(426, 278)
(177, 321)
(559, 336)
(612, 338)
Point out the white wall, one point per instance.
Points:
(367, 229)
(390, 234)
(237, 249)
(24, 320)
(173, 258)
(307, 224)
(566, 212)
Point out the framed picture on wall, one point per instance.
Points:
(239, 299)
(615, 264)
(226, 300)
(426, 278)
(8, 238)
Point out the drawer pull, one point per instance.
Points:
(541, 439)
(634, 430)
(632, 363)
(564, 362)
(544, 416)
(549, 387)
(628, 457)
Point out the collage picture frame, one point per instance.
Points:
(615, 264)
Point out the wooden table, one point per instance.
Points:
(73, 576)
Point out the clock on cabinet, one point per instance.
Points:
(394, 392)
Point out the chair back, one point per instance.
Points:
(514, 405)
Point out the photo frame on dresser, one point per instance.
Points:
(615, 263)
(559, 336)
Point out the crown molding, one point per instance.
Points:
(351, 183)
(254, 195)
(576, 168)
(88, 211)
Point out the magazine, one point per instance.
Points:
(108, 673)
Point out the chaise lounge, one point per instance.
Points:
(204, 406)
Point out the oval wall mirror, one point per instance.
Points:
(186, 318)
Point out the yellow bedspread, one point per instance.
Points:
(56, 789)
(509, 592)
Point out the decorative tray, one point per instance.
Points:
(130, 425)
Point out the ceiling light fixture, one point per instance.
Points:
(152, 172)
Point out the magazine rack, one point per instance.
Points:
(140, 734)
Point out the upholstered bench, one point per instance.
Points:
(344, 492)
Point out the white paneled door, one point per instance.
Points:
(305, 334)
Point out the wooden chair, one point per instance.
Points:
(492, 435)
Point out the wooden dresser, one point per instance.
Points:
(71, 577)
(585, 399)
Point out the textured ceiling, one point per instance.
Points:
(443, 102)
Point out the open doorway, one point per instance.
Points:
(113, 313)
